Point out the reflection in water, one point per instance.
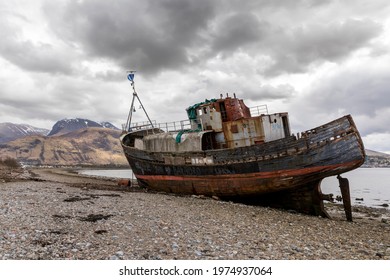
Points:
(368, 186)
(110, 173)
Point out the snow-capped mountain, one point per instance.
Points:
(108, 125)
(11, 131)
(70, 142)
(69, 125)
(92, 146)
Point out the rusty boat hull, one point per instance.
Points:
(285, 173)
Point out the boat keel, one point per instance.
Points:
(308, 199)
(345, 194)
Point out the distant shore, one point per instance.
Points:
(58, 214)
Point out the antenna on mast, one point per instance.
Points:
(130, 77)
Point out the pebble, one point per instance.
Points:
(37, 223)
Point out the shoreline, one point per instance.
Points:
(333, 207)
(57, 214)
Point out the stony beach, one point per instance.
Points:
(53, 214)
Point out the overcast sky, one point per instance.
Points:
(316, 59)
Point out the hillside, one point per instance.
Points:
(372, 153)
(87, 146)
(376, 159)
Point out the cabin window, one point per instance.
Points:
(208, 141)
(286, 127)
(205, 110)
(200, 112)
(234, 128)
(223, 111)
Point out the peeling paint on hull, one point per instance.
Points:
(242, 184)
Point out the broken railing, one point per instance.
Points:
(177, 126)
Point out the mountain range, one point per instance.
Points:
(372, 153)
(70, 142)
(376, 159)
(84, 142)
(10, 131)
(68, 125)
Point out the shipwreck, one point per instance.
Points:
(228, 150)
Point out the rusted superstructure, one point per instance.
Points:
(228, 150)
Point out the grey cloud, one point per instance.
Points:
(237, 31)
(29, 109)
(36, 57)
(268, 92)
(178, 34)
(361, 91)
(334, 40)
(268, 5)
(295, 51)
(148, 36)
(281, 91)
(61, 98)
(110, 75)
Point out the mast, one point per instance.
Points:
(130, 77)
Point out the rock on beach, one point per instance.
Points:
(52, 214)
